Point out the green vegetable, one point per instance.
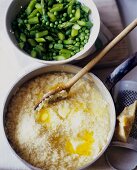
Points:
(58, 46)
(43, 8)
(66, 25)
(33, 20)
(81, 23)
(60, 57)
(56, 8)
(41, 34)
(23, 37)
(40, 40)
(52, 17)
(69, 10)
(38, 7)
(85, 9)
(77, 14)
(76, 27)
(33, 14)
(74, 32)
(52, 29)
(33, 53)
(32, 42)
(49, 38)
(28, 27)
(61, 36)
(21, 45)
(66, 53)
(69, 41)
(30, 6)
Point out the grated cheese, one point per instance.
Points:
(65, 135)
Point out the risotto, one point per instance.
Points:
(67, 134)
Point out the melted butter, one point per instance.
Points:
(43, 116)
(82, 145)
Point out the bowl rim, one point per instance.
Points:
(35, 69)
(78, 55)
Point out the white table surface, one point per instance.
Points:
(12, 65)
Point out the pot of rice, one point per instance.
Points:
(65, 135)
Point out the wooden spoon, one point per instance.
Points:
(92, 63)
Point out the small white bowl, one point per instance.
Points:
(14, 9)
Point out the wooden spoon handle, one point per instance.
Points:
(94, 61)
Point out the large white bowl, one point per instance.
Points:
(33, 72)
(14, 9)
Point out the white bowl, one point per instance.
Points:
(33, 72)
(14, 9)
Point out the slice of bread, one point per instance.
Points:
(125, 121)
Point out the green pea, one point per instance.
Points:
(59, 41)
(86, 37)
(77, 39)
(65, 14)
(85, 41)
(25, 21)
(87, 31)
(81, 48)
(51, 25)
(47, 23)
(56, 22)
(70, 15)
(50, 46)
(73, 11)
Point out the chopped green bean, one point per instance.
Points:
(69, 41)
(69, 10)
(23, 37)
(66, 53)
(85, 9)
(32, 42)
(43, 8)
(61, 36)
(81, 23)
(74, 32)
(77, 14)
(58, 46)
(60, 57)
(89, 24)
(73, 19)
(33, 20)
(66, 24)
(49, 38)
(56, 8)
(21, 45)
(39, 7)
(33, 53)
(30, 6)
(33, 14)
(28, 26)
(52, 17)
(41, 34)
(40, 39)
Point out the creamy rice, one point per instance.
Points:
(65, 135)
